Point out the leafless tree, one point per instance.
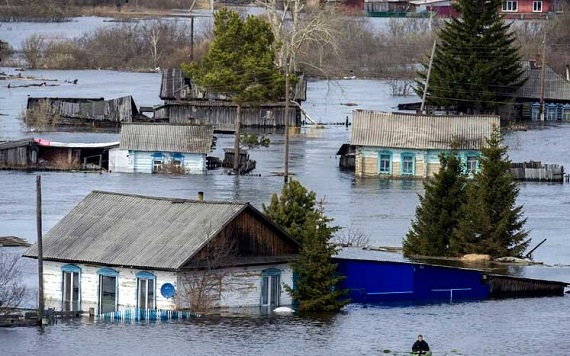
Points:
(12, 291)
(32, 49)
(351, 236)
(400, 87)
(202, 283)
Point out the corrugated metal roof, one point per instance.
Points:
(172, 83)
(382, 129)
(136, 231)
(167, 137)
(555, 85)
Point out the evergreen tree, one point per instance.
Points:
(476, 63)
(315, 273)
(437, 214)
(491, 223)
(239, 64)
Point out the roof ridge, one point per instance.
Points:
(171, 199)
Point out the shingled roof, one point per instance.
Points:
(167, 137)
(394, 130)
(139, 231)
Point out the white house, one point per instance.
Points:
(157, 148)
(114, 252)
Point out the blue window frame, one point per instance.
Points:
(108, 290)
(270, 287)
(177, 160)
(157, 160)
(551, 112)
(385, 162)
(565, 115)
(408, 164)
(70, 288)
(535, 112)
(471, 163)
(146, 292)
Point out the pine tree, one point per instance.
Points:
(296, 211)
(437, 214)
(491, 221)
(476, 64)
(240, 64)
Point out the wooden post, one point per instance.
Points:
(236, 140)
(40, 249)
(286, 168)
(192, 38)
(427, 77)
(542, 77)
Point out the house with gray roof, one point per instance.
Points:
(162, 148)
(115, 251)
(555, 89)
(395, 145)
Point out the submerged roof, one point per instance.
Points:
(138, 231)
(394, 130)
(167, 137)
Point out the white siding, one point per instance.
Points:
(120, 161)
(194, 163)
(89, 286)
(241, 286)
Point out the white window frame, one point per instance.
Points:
(537, 6)
(271, 288)
(146, 298)
(74, 274)
(510, 6)
(471, 163)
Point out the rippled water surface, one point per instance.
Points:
(382, 209)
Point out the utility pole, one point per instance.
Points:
(286, 170)
(427, 77)
(542, 77)
(41, 305)
(191, 38)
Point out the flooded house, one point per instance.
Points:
(395, 145)
(77, 111)
(40, 154)
(184, 102)
(115, 251)
(162, 148)
(543, 83)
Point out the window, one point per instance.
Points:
(385, 163)
(145, 290)
(177, 160)
(537, 6)
(566, 112)
(510, 6)
(70, 288)
(472, 164)
(107, 290)
(408, 164)
(551, 113)
(270, 287)
(157, 163)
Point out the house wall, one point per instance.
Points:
(119, 161)
(141, 161)
(15, 156)
(241, 286)
(426, 162)
(89, 286)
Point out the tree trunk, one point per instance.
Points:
(236, 139)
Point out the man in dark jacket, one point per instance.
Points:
(420, 347)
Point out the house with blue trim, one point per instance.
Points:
(115, 252)
(395, 145)
(542, 82)
(162, 148)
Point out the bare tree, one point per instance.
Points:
(32, 49)
(12, 291)
(351, 236)
(202, 284)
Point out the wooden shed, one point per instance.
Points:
(184, 102)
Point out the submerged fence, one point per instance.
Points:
(139, 314)
(537, 171)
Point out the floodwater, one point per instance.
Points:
(382, 209)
